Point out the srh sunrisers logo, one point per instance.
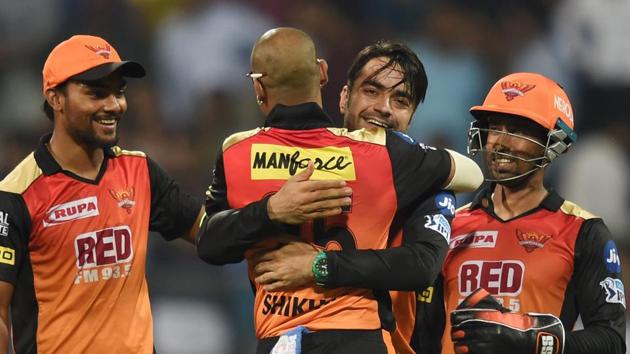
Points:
(513, 89)
(124, 198)
(102, 51)
(531, 240)
(270, 161)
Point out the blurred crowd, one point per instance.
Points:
(195, 94)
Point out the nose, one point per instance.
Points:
(383, 106)
(498, 137)
(114, 103)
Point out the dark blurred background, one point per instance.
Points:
(196, 94)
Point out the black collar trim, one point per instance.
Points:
(50, 166)
(553, 201)
(299, 117)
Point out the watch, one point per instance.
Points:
(320, 268)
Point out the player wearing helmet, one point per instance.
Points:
(544, 260)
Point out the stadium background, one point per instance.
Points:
(195, 94)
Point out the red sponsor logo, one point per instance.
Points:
(108, 246)
(512, 89)
(74, 210)
(531, 240)
(502, 278)
(102, 51)
(124, 198)
(477, 239)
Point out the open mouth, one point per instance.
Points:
(107, 122)
(378, 123)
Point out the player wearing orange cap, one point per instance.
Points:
(545, 260)
(75, 217)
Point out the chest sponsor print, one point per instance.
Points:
(476, 239)
(103, 254)
(501, 278)
(70, 211)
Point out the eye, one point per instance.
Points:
(370, 91)
(402, 102)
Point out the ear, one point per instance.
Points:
(343, 100)
(55, 99)
(323, 72)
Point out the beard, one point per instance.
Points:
(90, 139)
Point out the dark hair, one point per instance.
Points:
(415, 78)
(47, 108)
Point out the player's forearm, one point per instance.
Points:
(225, 236)
(408, 267)
(594, 339)
(4, 332)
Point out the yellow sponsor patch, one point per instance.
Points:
(281, 162)
(426, 295)
(7, 255)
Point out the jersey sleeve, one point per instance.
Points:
(430, 319)
(15, 226)
(597, 293)
(225, 234)
(419, 171)
(412, 266)
(173, 211)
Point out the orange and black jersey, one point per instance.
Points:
(75, 251)
(556, 258)
(388, 173)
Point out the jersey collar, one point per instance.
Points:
(553, 201)
(299, 117)
(47, 162)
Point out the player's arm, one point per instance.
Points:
(430, 319)
(464, 176)
(174, 213)
(597, 292)
(226, 233)
(15, 226)
(6, 294)
(412, 266)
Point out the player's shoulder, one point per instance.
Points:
(572, 209)
(240, 136)
(117, 151)
(377, 136)
(22, 176)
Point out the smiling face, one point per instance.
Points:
(92, 110)
(514, 146)
(380, 100)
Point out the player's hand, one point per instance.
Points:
(285, 268)
(301, 199)
(484, 326)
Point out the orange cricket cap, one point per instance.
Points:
(85, 58)
(528, 95)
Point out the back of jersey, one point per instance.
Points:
(259, 162)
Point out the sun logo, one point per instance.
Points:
(531, 240)
(102, 51)
(512, 90)
(124, 198)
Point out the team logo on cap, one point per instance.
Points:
(102, 51)
(531, 240)
(512, 89)
(124, 198)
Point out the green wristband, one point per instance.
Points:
(320, 268)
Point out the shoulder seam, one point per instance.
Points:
(118, 151)
(375, 137)
(573, 209)
(240, 136)
(22, 176)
